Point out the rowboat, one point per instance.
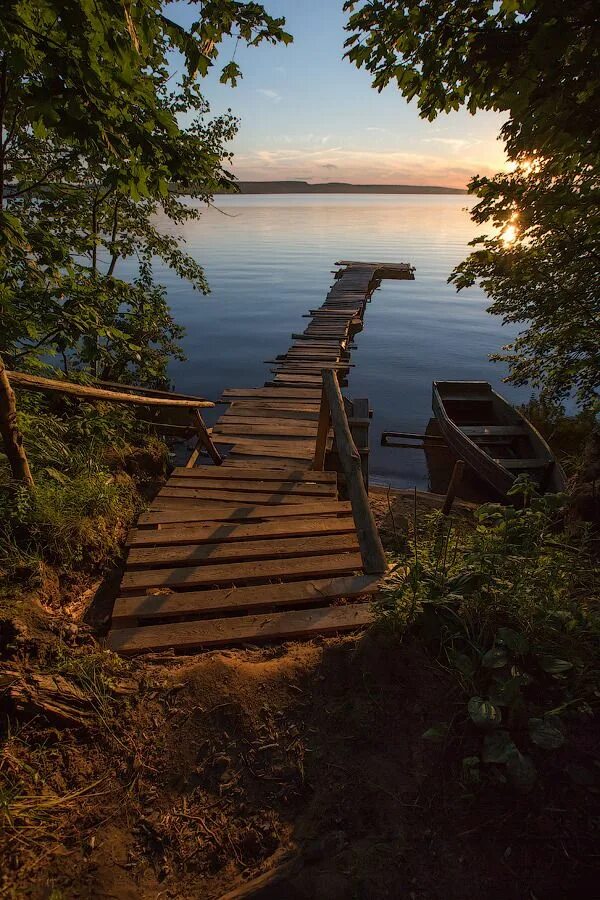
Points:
(493, 438)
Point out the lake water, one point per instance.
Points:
(268, 260)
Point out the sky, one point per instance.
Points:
(306, 113)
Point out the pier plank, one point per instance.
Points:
(231, 532)
(244, 572)
(241, 599)
(238, 629)
(241, 551)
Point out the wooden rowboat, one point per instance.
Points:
(492, 437)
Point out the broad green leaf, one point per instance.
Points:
(462, 662)
(554, 666)
(546, 733)
(495, 658)
(437, 734)
(498, 747)
(483, 713)
(514, 640)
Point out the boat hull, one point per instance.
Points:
(458, 405)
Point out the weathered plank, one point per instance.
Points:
(236, 629)
(241, 551)
(266, 427)
(245, 572)
(232, 531)
(211, 512)
(256, 473)
(169, 497)
(290, 450)
(272, 420)
(188, 487)
(271, 393)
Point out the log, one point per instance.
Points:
(371, 548)
(52, 697)
(51, 385)
(11, 435)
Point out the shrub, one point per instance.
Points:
(510, 608)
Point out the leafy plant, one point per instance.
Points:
(93, 99)
(509, 606)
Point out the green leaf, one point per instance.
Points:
(495, 658)
(437, 734)
(462, 662)
(546, 733)
(506, 691)
(554, 666)
(483, 713)
(498, 747)
(514, 640)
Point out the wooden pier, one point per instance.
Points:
(262, 545)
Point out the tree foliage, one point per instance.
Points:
(92, 94)
(538, 61)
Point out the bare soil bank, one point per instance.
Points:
(295, 771)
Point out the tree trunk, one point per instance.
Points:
(12, 437)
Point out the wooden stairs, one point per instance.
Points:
(261, 547)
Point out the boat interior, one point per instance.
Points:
(495, 427)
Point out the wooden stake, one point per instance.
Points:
(12, 437)
(454, 485)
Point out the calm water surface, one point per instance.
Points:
(268, 260)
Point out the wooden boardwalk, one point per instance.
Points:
(261, 546)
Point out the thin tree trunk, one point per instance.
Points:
(12, 437)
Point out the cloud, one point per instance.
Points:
(269, 93)
(454, 143)
(377, 130)
(328, 166)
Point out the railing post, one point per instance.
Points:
(457, 474)
(371, 548)
(9, 429)
(322, 432)
(359, 429)
(204, 440)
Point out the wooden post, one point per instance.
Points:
(204, 440)
(12, 437)
(371, 548)
(457, 474)
(359, 428)
(322, 432)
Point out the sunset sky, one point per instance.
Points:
(306, 113)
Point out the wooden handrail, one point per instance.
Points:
(332, 409)
(87, 392)
(37, 383)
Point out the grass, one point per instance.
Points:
(83, 500)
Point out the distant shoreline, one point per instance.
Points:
(333, 187)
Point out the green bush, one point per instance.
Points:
(74, 518)
(510, 607)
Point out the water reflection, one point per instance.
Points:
(268, 260)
